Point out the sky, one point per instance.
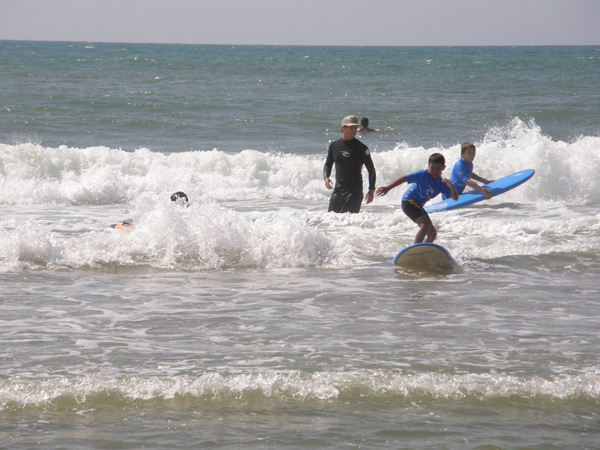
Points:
(305, 22)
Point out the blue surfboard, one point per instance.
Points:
(496, 187)
(424, 256)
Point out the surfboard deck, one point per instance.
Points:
(424, 256)
(496, 187)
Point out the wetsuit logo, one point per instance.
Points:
(430, 192)
(345, 154)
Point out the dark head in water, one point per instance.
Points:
(181, 198)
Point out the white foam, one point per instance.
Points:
(32, 174)
(299, 387)
(254, 209)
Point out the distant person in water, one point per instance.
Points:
(426, 185)
(364, 126)
(463, 175)
(349, 156)
(179, 197)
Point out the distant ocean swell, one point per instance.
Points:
(17, 392)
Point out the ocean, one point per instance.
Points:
(255, 319)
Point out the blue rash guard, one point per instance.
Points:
(461, 173)
(424, 187)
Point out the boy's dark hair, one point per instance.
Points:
(466, 146)
(437, 158)
(364, 122)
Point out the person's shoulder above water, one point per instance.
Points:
(364, 126)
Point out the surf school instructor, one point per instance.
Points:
(349, 156)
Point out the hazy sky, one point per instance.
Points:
(306, 22)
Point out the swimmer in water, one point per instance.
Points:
(178, 197)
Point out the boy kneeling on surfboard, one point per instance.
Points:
(427, 184)
(462, 172)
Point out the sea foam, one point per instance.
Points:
(32, 174)
(261, 209)
(274, 387)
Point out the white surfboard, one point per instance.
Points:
(424, 256)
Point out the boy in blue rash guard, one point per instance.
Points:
(462, 172)
(427, 184)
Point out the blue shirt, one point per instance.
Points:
(424, 187)
(461, 173)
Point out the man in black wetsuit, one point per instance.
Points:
(349, 156)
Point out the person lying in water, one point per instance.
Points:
(179, 197)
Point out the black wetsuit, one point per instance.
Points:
(349, 158)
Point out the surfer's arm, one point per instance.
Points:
(385, 189)
(480, 179)
(448, 183)
(372, 173)
(484, 191)
(327, 170)
(368, 162)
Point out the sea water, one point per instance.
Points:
(255, 319)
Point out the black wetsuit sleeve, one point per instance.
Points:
(368, 162)
(328, 167)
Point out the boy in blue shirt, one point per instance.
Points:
(462, 172)
(427, 184)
